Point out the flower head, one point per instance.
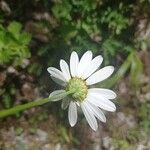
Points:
(77, 80)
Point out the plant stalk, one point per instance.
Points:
(16, 109)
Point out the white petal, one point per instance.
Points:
(65, 70)
(84, 62)
(101, 102)
(72, 113)
(60, 82)
(89, 116)
(100, 75)
(97, 112)
(109, 94)
(93, 66)
(74, 61)
(58, 95)
(56, 73)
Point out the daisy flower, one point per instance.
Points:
(77, 80)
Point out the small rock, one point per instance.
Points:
(28, 91)
(58, 146)
(2, 78)
(46, 147)
(107, 142)
(140, 147)
(12, 70)
(42, 135)
(25, 63)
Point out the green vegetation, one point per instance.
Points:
(144, 114)
(13, 44)
(122, 144)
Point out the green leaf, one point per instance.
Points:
(7, 101)
(136, 69)
(13, 44)
(25, 38)
(15, 28)
(62, 10)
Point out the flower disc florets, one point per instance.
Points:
(78, 88)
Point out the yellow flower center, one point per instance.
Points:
(79, 88)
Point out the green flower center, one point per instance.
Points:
(79, 88)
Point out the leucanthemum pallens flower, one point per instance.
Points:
(77, 79)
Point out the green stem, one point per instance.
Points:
(16, 109)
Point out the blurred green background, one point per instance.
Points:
(35, 34)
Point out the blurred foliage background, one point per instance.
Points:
(35, 34)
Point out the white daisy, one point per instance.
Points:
(77, 80)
